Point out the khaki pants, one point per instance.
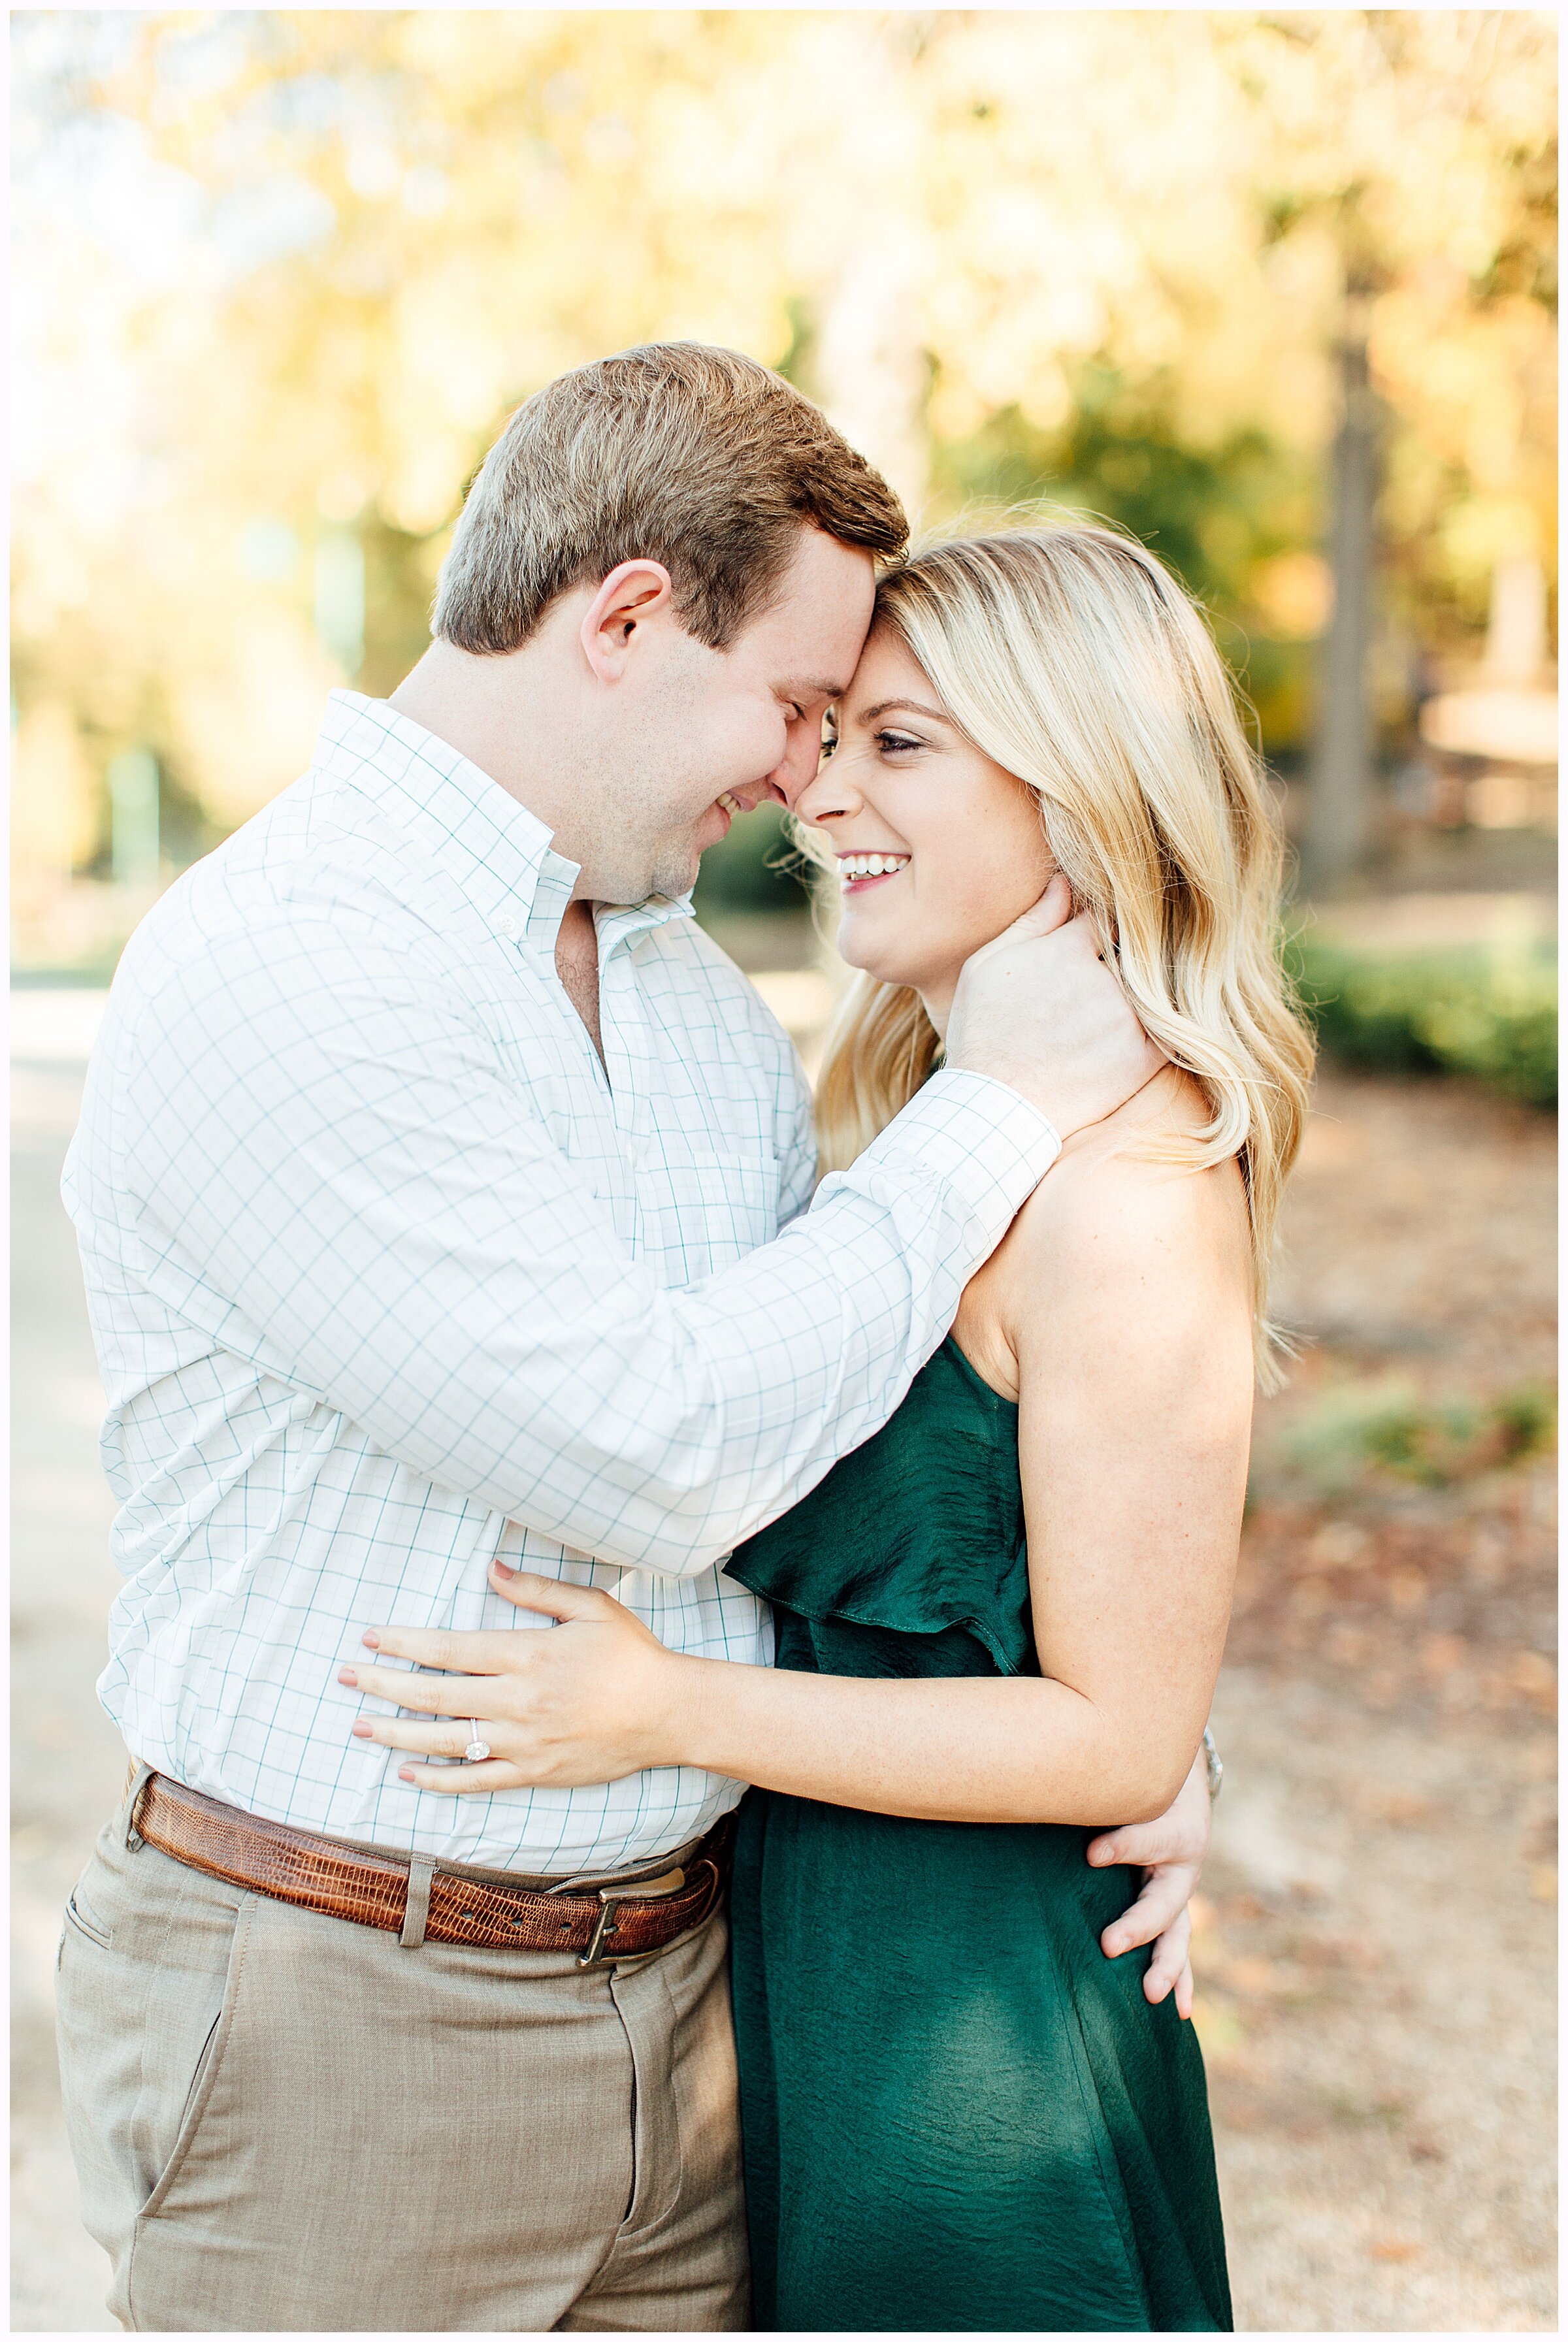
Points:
(288, 2122)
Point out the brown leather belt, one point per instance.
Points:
(419, 1901)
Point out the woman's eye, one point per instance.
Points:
(895, 743)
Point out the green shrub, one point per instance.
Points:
(1384, 1428)
(751, 869)
(1490, 1011)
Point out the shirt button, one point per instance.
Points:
(508, 925)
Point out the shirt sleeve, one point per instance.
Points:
(331, 1173)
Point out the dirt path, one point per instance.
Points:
(1376, 1966)
(1376, 1961)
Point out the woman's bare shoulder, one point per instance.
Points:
(1126, 1211)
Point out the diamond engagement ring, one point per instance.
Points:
(477, 1749)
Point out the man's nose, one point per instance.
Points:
(798, 770)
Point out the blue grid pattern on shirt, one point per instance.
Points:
(388, 1273)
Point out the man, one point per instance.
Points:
(429, 1186)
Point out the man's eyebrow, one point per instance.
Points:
(914, 706)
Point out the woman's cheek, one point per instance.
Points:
(1017, 883)
(893, 950)
(977, 914)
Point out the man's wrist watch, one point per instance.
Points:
(1214, 1764)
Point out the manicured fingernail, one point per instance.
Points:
(404, 1774)
(371, 1638)
(501, 1569)
(346, 1675)
(360, 1731)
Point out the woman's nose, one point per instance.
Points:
(829, 792)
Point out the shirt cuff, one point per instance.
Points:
(980, 1139)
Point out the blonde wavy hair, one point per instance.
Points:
(1074, 659)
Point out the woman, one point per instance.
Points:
(1001, 1619)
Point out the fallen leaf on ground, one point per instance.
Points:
(1400, 1806)
(1441, 1654)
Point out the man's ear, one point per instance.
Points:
(629, 597)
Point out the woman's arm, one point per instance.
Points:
(1135, 1377)
(1129, 1319)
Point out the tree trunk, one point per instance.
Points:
(1339, 824)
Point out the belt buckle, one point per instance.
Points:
(641, 1890)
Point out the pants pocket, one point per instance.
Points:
(86, 1923)
(205, 2073)
(146, 1973)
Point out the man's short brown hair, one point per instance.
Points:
(698, 458)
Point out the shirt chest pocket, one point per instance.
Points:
(703, 1207)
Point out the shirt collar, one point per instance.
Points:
(499, 852)
(464, 823)
(622, 923)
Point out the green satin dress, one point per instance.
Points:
(958, 2114)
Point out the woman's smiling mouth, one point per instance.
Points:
(858, 871)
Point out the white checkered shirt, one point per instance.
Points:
(387, 1274)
